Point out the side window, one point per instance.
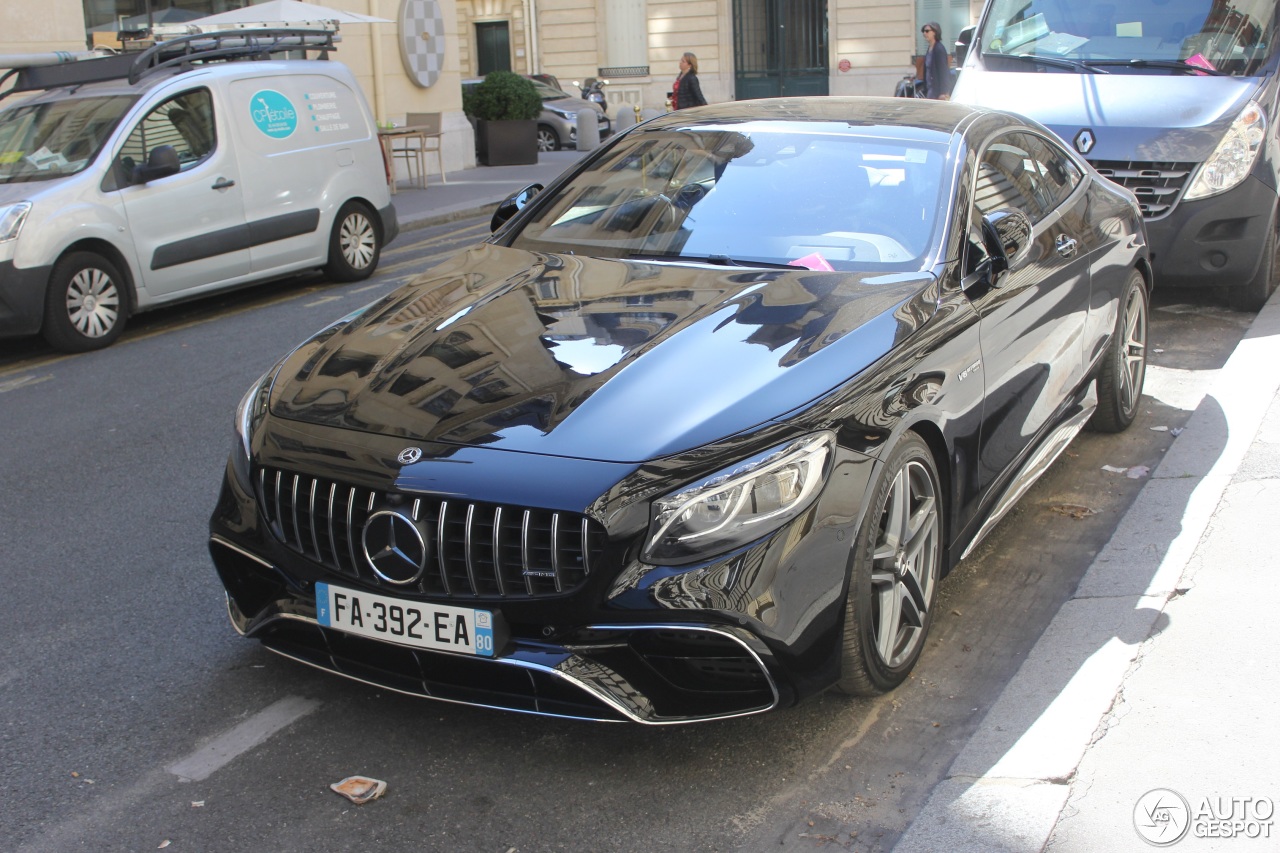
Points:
(184, 121)
(1008, 177)
(1058, 174)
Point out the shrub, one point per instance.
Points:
(503, 96)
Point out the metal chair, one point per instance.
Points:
(414, 147)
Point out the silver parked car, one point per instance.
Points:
(558, 123)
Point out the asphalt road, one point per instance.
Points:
(132, 716)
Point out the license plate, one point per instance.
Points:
(438, 627)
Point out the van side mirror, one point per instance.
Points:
(513, 204)
(1007, 234)
(161, 163)
(964, 40)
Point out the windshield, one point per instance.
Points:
(47, 140)
(548, 92)
(1144, 36)
(758, 194)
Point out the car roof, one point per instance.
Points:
(898, 117)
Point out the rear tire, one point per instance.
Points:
(893, 573)
(1124, 366)
(355, 244)
(1253, 295)
(85, 306)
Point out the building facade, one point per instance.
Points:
(745, 48)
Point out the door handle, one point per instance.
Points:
(223, 184)
(1065, 245)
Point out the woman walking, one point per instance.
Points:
(686, 92)
(937, 71)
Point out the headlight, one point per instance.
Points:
(1233, 159)
(563, 113)
(253, 406)
(739, 504)
(11, 218)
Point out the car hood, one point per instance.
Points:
(610, 360)
(1131, 116)
(573, 105)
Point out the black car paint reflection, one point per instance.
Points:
(567, 379)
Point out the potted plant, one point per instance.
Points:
(505, 108)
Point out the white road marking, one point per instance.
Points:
(229, 745)
(21, 382)
(322, 300)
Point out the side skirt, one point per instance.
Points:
(1038, 463)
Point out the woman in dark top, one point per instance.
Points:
(937, 74)
(685, 91)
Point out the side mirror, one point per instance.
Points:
(1007, 233)
(963, 42)
(161, 163)
(513, 204)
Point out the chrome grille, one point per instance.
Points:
(474, 549)
(1158, 186)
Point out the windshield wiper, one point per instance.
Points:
(719, 260)
(1171, 64)
(1056, 62)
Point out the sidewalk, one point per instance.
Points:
(1161, 672)
(474, 191)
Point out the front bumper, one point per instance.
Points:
(21, 299)
(1216, 241)
(654, 674)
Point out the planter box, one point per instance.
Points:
(507, 143)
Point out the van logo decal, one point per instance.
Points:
(273, 113)
(1084, 141)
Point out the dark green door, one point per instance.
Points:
(781, 48)
(493, 47)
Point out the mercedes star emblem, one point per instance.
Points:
(1084, 141)
(409, 455)
(394, 547)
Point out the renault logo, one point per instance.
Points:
(394, 547)
(1084, 141)
(409, 455)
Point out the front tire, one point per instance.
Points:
(548, 139)
(893, 573)
(1124, 366)
(355, 245)
(85, 307)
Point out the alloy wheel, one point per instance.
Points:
(1134, 353)
(905, 560)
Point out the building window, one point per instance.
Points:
(626, 39)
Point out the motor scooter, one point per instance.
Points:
(909, 87)
(593, 90)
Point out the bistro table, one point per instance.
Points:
(412, 148)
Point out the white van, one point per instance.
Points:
(133, 181)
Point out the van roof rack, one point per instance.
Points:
(184, 52)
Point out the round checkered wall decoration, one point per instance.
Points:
(422, 40)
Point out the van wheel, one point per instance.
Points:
(1252, 295)
(355, 245)
(548, 140)
(85, 306)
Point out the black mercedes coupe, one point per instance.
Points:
(697, 432)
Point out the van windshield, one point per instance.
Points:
(50, 139)
(1230, 37)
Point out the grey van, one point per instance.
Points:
(1174, 99)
